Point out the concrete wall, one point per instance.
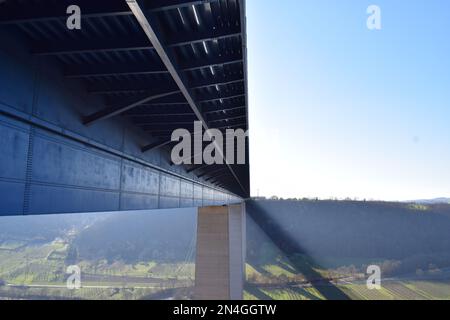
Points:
(51, 163)
(220, 262)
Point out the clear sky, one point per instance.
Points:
(337, 110)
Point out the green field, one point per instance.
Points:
(269, 288)
(271, 275)
(38, 271)
(135, 257)
(401, 290)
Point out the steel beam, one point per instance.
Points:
(206, 98)
(243, 23)
(126, 87)
(90, 9)
(168, 132)
(159, 118)
(148, 113)
(113, 111)
(166, 104)
(216, 62)
(169, 61)
(57, 11)
(216, 35)
(156, 145)
(159, 113)
(228, 119)
(72, 46)
(221, 179)
(117, 69)
(222, 97)
(216, 177)
(205, 173)
(224, 110)
(242, 124)
(176, 124)
(164, 5)
(200, 167)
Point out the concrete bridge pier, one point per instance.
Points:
(220, 261)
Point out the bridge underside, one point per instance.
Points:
(86, 115)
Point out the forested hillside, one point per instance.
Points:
(332, 232)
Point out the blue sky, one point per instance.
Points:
(337, 110)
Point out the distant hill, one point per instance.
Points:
(433, 201)
(44, 227)
(349, 232)
(163, 236)
(332, 233)
(167, 236)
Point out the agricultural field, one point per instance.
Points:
(401, 290)
(268, 283)
(282, 293)
(120, 256)
(312, 249)
(138, 256)
(38, 271)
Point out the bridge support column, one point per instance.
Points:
(220, 261)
